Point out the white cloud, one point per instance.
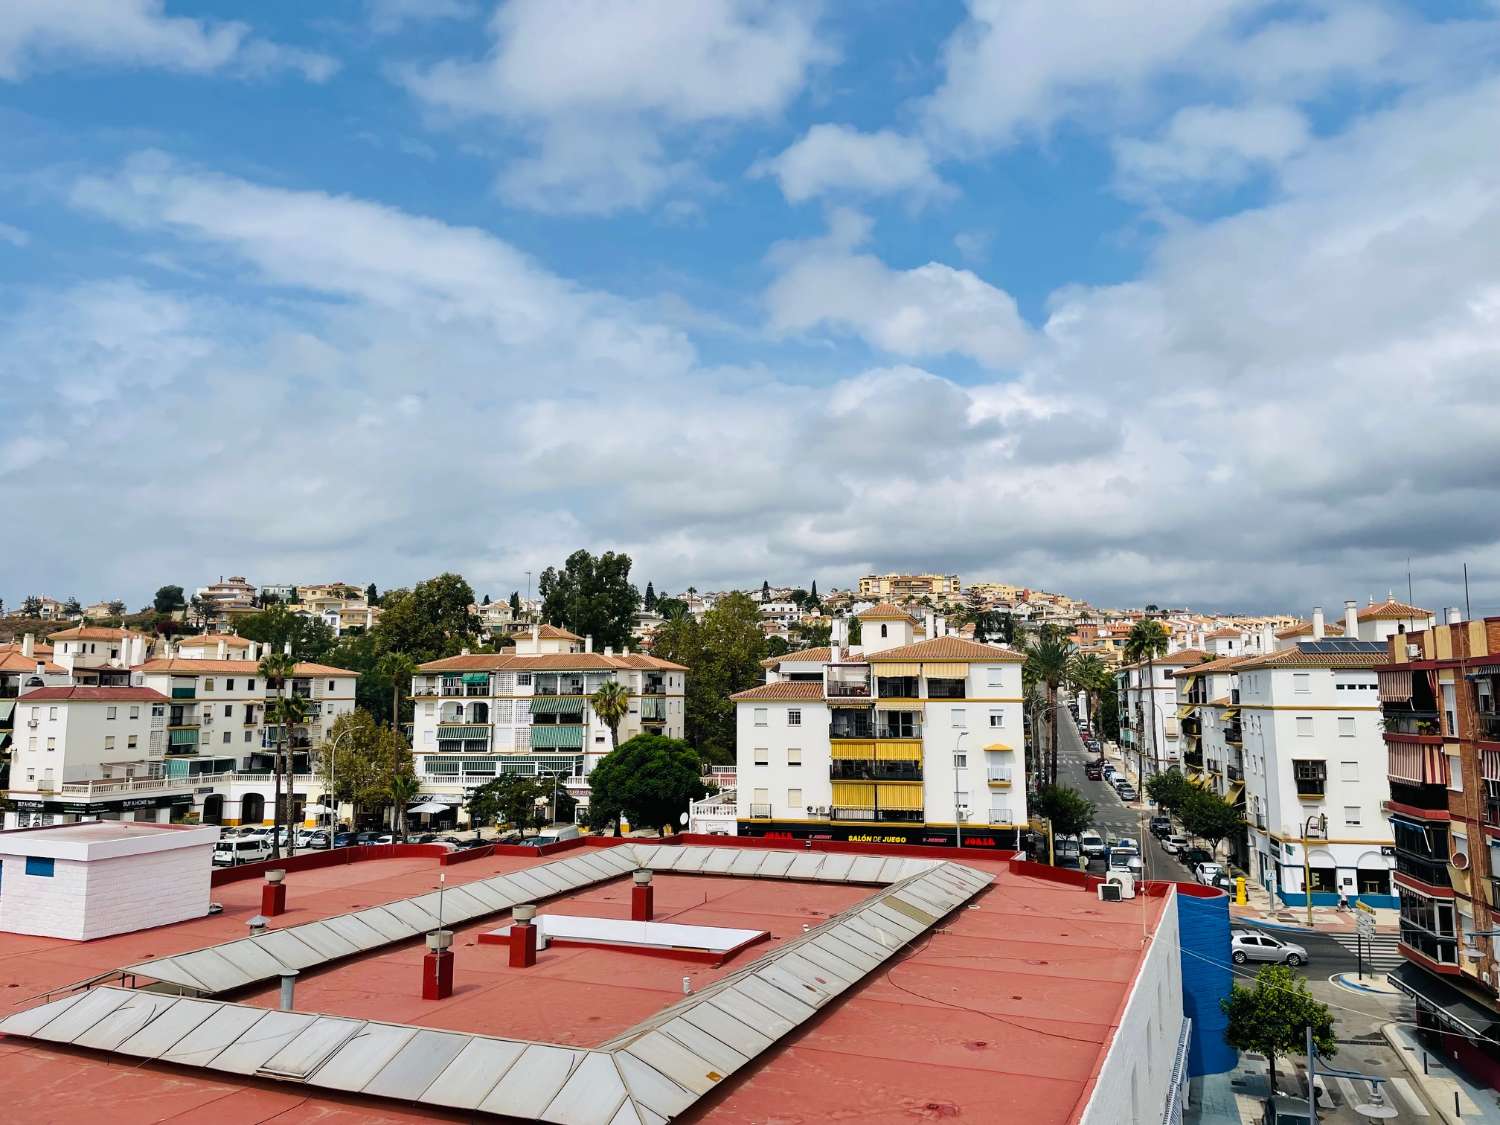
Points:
(832, 159)
(931, 310)
(46, 34)
(388, 17)
(1215, 145)
(14, 235)
(599, 85)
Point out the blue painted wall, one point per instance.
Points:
(1204, 927)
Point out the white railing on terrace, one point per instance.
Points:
(1000, 773)
(105, 786)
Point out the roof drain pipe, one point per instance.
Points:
(288, 988)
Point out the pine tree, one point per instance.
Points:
(765, 590)
(515, 603)
(650, 601)
(813, 593)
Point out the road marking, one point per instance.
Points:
(1409, 1096)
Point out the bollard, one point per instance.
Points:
(288, 987)
(437, 966)
(522, 937)
(273, 893)
(642, 897)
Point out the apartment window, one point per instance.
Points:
(52, 713)
(132, 741)
(249, 685)
(794, 799)
(43, 866)
(1351, 814)
(885, 630)
(960, 761)
(109, 742)
(997, 718)
(1302, 683)
(229, 710)
(1455, 774)
(228, 736)
(208, 684)
(248, 733)
(761, 796)
(427, 708)
(135, 711)
(957, 717)
(111, 713)
(1346, 726)
(794, 755)
(794, 717)
(330, 685)
(762, 756)
(523, 679)
(1348, 771)
(51, 744)
(1304, 726)
(761, 714)
(228, 685)
(992, 676)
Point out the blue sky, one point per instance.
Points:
(1180, 303)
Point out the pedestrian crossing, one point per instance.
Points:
(1381, 952)
(1397, 1092)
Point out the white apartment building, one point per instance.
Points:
(527, 711)
(1149, 726)
(1315, 766)
(888, 586)
(95, 647)
(895, 740)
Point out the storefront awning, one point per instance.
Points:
(1483, 672)
(1395, 687)
(1489, 764)
(1451, 1005)
(1186, 709)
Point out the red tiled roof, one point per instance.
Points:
(15, 662)
(782, 689)
(886, 611)
(184, 666)
(800, 656)
(1172, 659)
(1392, 610)
(549, 662)
(93, 633)
(1304, 628)
(93, 695)
(211, 640)
(954, 649)
(553, 633)
(1223, 664)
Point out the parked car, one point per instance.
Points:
(317, 840)
(556, 833)
(1093, 773)
(1194, 856)
(1127, 792)
(1282, 1110)
(1175, 844)
(1205, 873)
(232, 853)
(368, 837)
(1252, 945)
(1065, 851)
(344, 839)
(1091, 843)
(1161, 827)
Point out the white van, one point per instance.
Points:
(556, 833)
(241, 849)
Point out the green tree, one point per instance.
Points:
(72, 607)
(277, 626)
(358, 758)
(611, 702)
(1209, 817)
(515, 604)
(1067, 809)
(765, 590)
(649, 603)
(401, 788)
(429, 621)
(509, 799)
(117, 608)
(671, 607)
(1272, 1018)
(1169, 789)
(1090, 675)
(814, 635)
(592, 596)
(372, 595)
(650, 778)
(32, 605)
(777, 646)
(397, 669)
(283, 712)
(856, 631)
(722, 653)
(168, 599)
(1147, 641)
(1047, 663)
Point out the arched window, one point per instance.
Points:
(883, 630)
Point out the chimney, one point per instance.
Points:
(1351, 618)
(1317, 633)
(463, 652)
(222, 652)
(941, 623)
(833, 652)
(929, 624)
(1455, 616)
(28, 645)
(588, 643)
(41, 667)
(609, 650)
(536, 632)
(1267, 638)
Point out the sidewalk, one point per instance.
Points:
(1440, 1083)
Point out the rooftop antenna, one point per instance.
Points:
(1468, 609)
(1411, 599)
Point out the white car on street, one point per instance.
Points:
(1206, 873)
(1092, 843)
(1175, 844)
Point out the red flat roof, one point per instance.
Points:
(1004, 1011)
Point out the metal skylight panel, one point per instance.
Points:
(414, 1067)
(168, 1028)
(223, 1027)
(360, 1058)
(473, 1073)
(529, 1086)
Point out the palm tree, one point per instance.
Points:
(611, 703)
(277, 669)
(1047, 662)
(401, 787)
(1147, 640)
(400, 668)
(1089, 674)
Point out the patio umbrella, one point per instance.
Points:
(427, 807)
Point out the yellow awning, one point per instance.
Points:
(854, 794)
(1187, 683)
(899, 751)
(899, 796)
(1234, 792)
(848, 702)
(894, 669)
(1186, 709)
(851, 751)
(998, 746)
(898, 705)
(946, 671)
(1228, 713)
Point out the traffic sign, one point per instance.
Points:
(1365, 925)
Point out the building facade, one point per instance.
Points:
(894, 740)
(527, 711)
(899, 587)
(1149, 724)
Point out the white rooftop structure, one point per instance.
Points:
(92, 879)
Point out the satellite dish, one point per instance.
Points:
(683, 819)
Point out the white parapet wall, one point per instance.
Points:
(94, 879)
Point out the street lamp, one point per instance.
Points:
(1307, 831)
(332, 795)
(1374, 1109)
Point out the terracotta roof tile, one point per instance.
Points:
(15, 662)
(1304, 629)
(1223, 664)
(886, 611)
(800, 656)
(553, 633)
(549, 662)
(1392, 610)
(1297, 658)
(183, 666)
(211, 640)
(93, 633)
(950, 649)
(93, 695)
(1186, 656)
(784, 689)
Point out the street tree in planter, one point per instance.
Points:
(650, 778)
(1169, 789)
(1066, 808)
(1272, 1018)
(510, 798)
(1209, 817)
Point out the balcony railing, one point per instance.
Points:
(1236, 774)
(1443, 950)
(1000, 775)
(848, 689)
(1489, 726)
(899, 730)
(945, 689)
(1001, 816)
(1433, 872)
(1412, 722)
(859, 812)
(1311, 788)
(1234, 734)
(184, 693)
(866, 770)
(851, 730)
(760, 812)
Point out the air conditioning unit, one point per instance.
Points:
(1413, 652)
(1125, 881)
(1109, 892)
